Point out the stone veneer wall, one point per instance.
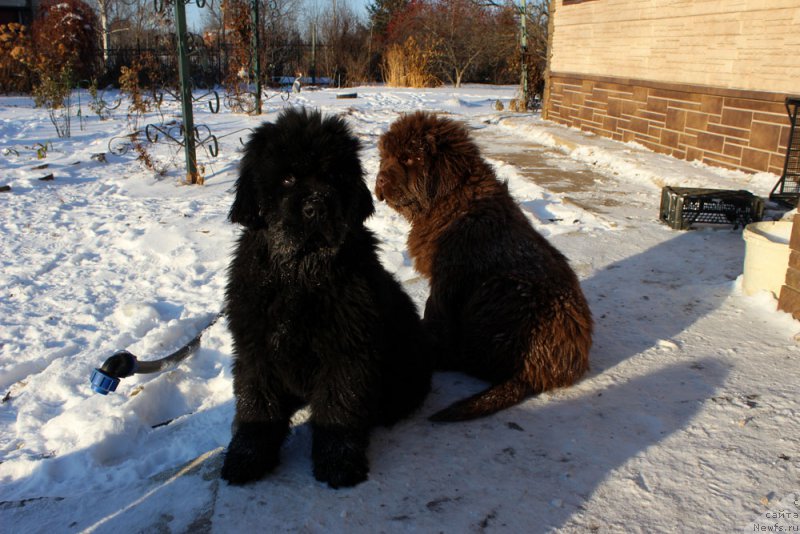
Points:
(737, 44)
(731, 128)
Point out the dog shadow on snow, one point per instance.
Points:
(534, 466)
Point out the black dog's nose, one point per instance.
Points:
(314, 209)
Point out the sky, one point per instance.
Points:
(195, 16)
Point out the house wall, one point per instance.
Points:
(736, 44)
(697, 79)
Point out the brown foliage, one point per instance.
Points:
(238, 32)
(61, 50)
(15, 51)
(65, 37)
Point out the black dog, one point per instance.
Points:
(316, 320)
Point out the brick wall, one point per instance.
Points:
(731, 128)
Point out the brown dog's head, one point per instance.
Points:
(423, 159)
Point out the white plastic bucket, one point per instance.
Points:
(766, 256)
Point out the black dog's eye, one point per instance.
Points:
(289, 181)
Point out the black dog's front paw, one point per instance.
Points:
(251, 455)
(340, 457)
(343, 471)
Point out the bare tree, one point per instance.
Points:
(343, 42)
(466, 35)
(281, 42)
(537, 17)
(137, 23)
(466, 40)
(113, 16)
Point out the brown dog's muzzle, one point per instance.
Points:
(380, 186)
(389, 184)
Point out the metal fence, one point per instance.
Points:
(209, 65)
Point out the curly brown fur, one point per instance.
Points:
(316, 320)
(504, 305)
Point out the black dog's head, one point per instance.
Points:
(301, 182)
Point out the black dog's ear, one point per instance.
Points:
(245, 208)
(364, 206)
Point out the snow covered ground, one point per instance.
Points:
(687, 421)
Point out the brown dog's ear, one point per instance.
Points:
(431, 142)
(455, 157)
(423, 147)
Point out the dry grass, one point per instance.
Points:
(408, 65)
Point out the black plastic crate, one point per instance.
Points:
(684, 207)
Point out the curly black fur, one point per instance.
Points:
(316, 320)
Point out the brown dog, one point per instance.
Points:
(504, 304)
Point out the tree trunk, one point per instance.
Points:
(105, 30)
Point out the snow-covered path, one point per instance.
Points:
(687, 421)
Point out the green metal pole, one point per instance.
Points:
(192, 176)
(523, 41)
(255, 58)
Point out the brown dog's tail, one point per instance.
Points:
(486, 402)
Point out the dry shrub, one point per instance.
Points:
(64, 50)
(99, 105)
(518, 105)
(144, 157)
(239, 35)
(353, 65)
(409, 65)
(65, 37)
(141, 83)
